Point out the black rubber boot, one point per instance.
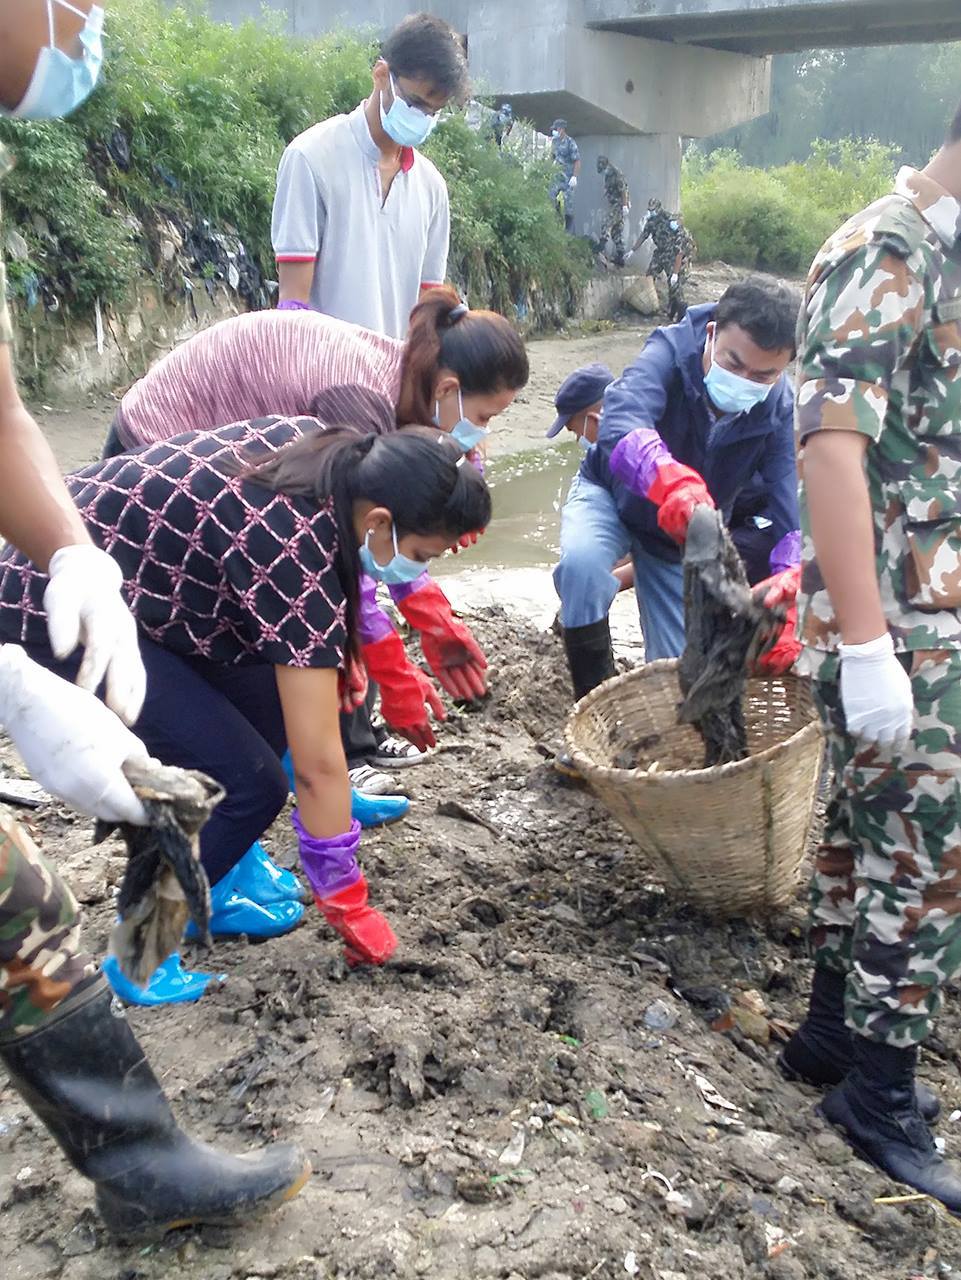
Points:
(589, 656)
(820, 1051)
(86, 1077)
(877, 1108)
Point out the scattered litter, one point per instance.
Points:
(630, 1263)
(513, 1153)
(653, 1175)
(597, 1104)
(659, 1016)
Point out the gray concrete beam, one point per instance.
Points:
(778, 26)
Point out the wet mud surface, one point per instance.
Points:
(563, 1074)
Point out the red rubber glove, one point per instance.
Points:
(452, 653)
(368, 937)
(404, 691)
(466, 540)
(676, 490)
(352, 686)
(781, 589)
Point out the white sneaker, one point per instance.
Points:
(397, 753)
(373, 782)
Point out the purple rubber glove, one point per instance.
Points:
(372, 623)
(292, 304)
(786, 553)
(330, 865)
(636, 458)
(402, 590)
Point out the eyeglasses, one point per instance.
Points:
(419, 104)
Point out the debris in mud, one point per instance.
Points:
(164, 883)
(724, 628)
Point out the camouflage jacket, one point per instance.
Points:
(566, 155)
(6, 327)
(615, 188)
(879, 352)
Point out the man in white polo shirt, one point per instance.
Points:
(361, 223)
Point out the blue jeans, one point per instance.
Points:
(593, 540)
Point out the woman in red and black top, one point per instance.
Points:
(241, 550)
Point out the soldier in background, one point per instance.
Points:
(674, 250)
(879, 615)
(502, 123)
(567, 158)
(618, 208)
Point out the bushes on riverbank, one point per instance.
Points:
(777, 219)
(173, 161)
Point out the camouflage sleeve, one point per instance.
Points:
(6, 327)
(859, 324)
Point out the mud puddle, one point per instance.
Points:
(511, 565)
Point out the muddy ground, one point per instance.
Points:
(525, 1091)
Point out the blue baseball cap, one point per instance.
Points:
(580, 390)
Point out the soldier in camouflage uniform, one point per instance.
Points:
(879, 422)
(67, 1049)
(674, 251)
(618, 208)
(567, 158)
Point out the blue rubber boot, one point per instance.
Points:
(258, 878)
(376, 811)
(369, 810)
(231, 913)
(171, 983)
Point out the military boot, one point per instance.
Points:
(820, 1051)
(877, 1108)
(84, 1074)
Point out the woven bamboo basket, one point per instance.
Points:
(728, 839)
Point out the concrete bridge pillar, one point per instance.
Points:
(651, 163)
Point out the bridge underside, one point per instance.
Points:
(785, 28)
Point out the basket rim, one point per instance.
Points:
(674, 777)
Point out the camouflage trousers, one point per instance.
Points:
(613, 230)
(886, 890)
(40, 956)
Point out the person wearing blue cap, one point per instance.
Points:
(705, 409)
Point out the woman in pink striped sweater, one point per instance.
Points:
(457, 368)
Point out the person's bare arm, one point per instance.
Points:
(296, 279)
(310, 703)
(36, 514)
(842, 528)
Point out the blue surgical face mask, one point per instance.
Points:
(467, 434)
(397, 570)
(407, 125)
(60, 83)
(729, 391)
(584, 443)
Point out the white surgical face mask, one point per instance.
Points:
(59, 83)
(731, 392)
(407, 125)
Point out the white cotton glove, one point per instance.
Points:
(72, 745)
(625, 211)
(572, 183)
(673, 278)
(876, 693)
(84, 607)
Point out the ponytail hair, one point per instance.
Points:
(419, 475)
(483, 349)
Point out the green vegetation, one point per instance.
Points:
(185, 132)
(777, 219)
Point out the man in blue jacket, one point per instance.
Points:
(705, 408)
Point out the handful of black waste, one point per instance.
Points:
(726, 630)
(164, 883)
